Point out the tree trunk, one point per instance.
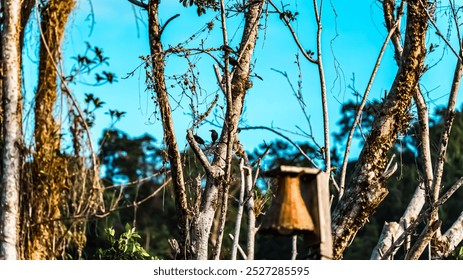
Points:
(49, 168)
(367, 190)
(240, 83)
(158, 79)
(11, 63)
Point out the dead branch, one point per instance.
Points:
(386, 240)
(167, 22)
(452, 237)
(410, 225)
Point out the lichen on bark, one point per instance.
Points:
(367, 190)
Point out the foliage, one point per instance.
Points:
(458, 253)
(126, 247)
(131, 171)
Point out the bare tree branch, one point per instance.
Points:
(439, 33)
(239, 213)
(139, 4)
(453, 236)
(321, 74)
(293, 33)
(423, 239)
(167, 22)
(284, 137)
(421, 244)
(230, 130)
(410, 227)
(243, 254)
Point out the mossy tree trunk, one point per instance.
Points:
(366, 189)
(49, 168)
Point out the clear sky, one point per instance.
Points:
(352, 37)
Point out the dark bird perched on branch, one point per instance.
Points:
(234, 62)
(226, 48)
(198, 139)
(214, 135)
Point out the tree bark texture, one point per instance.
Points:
(366, 189)
(44, 195)
(162, 98)
(418, 200)
(11, 64)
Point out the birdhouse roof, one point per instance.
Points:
(292, 171)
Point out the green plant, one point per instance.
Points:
(458, 253)
(126, 247)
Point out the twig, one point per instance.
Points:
(434, 24)
(139, 4)
(167, 22)
(286, 138)
(141, 180)
(243, 254)
(293, 33)
(321, 74)
(206, 114)
(450, 191)
(135, 203)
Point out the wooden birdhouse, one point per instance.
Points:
(301, 206)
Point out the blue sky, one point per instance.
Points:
(120, 29)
